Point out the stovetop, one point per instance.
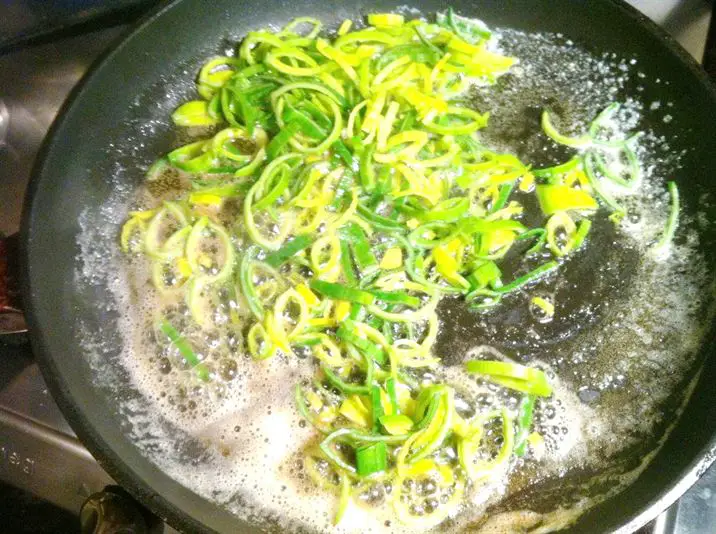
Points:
(39, 452)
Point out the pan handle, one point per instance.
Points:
(12, 321)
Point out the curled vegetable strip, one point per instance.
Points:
(325, 349)
(560, 223)
(326, 256)
(275, 242)
(672, 219)
(194, 113)
(329, 100)
(256, 295)
(409, 315)
(174, 261)
(232, 150)
(197, 259)
(152, 240)
(576, 142)
(259, 343)
(281, 313)
(468, 448)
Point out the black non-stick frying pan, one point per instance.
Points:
(118, 104)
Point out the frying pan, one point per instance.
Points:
(119, 103)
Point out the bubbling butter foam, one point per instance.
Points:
(238, 441)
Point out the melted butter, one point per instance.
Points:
(238, 442)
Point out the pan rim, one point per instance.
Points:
(101, 449)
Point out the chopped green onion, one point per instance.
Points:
(347, 387)
(281, 139)
(448, 210)
(291, 248)
(300, 400)
(633, 169)
(395, 297)
(184, 349)
(524, 422)
(371, 459)
(378, 221)
(347, 265)
(532, 276)
(543, 304)
(672, 220)
(342, 150)
(513, 376)
(362, 253)
(194, 113)
(432, 408)
(376, 408)
(306, 124)
(341, 292)
(541, 234)
(273, 195)
(551, 131)
(247, 285)
(557, 170)
(477, 225)
(581, 234)
(589, 164)
(367, 170)
(487, 273)
(344, 499)
(469, 30)
(505, 192)
(357, 311)
(392, 394)
(427, 41)
(347, 333)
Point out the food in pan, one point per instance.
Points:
(336, 195)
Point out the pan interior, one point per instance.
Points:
(626, 345)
